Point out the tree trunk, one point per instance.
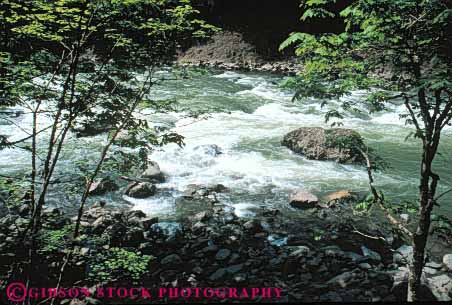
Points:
(420, 237)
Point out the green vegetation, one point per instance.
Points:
(118, 264)
(86, 66)
(397, 50)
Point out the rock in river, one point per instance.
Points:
(141, 190)
(326, 144)
(302, 199)
(153, 173)
(209, 149)
(102, 186)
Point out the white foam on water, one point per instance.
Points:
(229, 75)
(153, 205)
(252, 161)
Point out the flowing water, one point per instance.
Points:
(250, 114)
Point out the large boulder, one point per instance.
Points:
(315, 143)
(153, 173)
(303, 200)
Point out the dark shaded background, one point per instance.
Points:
(264, 23)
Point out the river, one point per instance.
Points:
(249, 115)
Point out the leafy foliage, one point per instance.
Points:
(397, 50)
(118, 264)
(56, 240)
(86, 65)
(409, 38)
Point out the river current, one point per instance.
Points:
(249, 115)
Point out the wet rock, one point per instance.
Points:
(116, 232)
(403, 255)
(148, 221)
(92, 128)
(326, 144)
(217, 275)
(172, 259)
(153, 173)
(167, 230)
(194, 191)
(240, 278)
(371, 254)
(202, 216)
(141, 190)
(197, 270)
(303, 200)
(199, 226)
(341, 280)
(210, 248)
(277, 241)
(234, 269)
(400, 283)
(365, 266)
(299, 251)
(84, 251)
(51, 212)
(102, 186)
(209, 149)
(136, 213)
(271, 213)
(447, 261)
(330, 297)
(434, 265)
(441, 287)
(253, 226)
(24, 210)
(222, 254)
(99, 204)
(101, 223)
(134, 237)
(339, 197)
(430, 271)
(168, 276)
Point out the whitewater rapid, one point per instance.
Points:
(248, 116)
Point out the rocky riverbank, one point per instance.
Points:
(229, 51)
(215, 248)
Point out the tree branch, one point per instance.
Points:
(378, 199)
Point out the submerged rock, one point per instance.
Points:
(92, 128)
(209, 149)
(102, 186)
(326, 144)
(303, 199)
